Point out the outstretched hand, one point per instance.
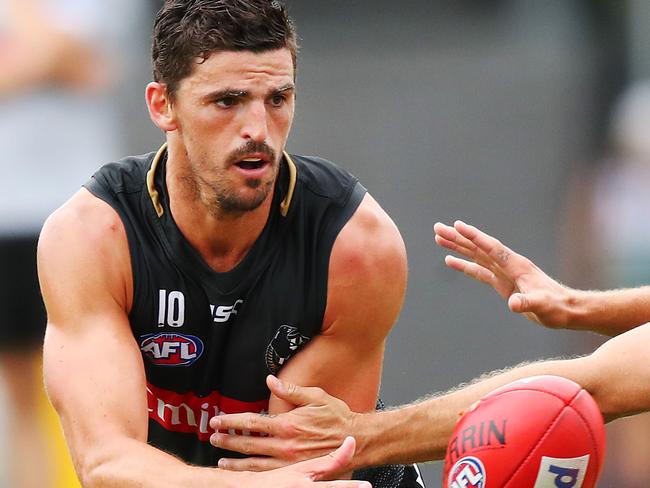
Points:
(317, 426)
(525, 287)
(308, 474)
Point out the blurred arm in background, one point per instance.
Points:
(54, 92)
(34, 51)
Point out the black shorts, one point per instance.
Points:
(22, 320)
(392, 476)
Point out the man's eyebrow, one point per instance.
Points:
(282, 89)
(234, 93)
(226, 93)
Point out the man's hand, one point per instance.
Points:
(526, 288)
(309, 473)
(317, 425)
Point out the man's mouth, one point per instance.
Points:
(251, 163)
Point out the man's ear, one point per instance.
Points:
(160, 107)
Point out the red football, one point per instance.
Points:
(538, 432)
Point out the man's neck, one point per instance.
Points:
(223, 239)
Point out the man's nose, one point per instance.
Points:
(255, 124)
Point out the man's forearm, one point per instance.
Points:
(420, 432)
(135, 464)
(609, 312)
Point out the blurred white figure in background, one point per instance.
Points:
(608, 247)
(621, 194)
(62, 62)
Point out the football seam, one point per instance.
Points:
(591, 434)
(566, 404)
(546, 433)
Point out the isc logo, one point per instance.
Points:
(468, 472)
(171, 349)
(222, 313)
(562, 473)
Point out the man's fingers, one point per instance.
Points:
(450, 238)
(501, 254)
(294, 394)
(452, 246)
(473, 270)
(245, 444)
(244, 422)
(251, 464)
(334, 462)
(521, 303)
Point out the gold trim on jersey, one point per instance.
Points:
(293, 173)
(155, 196)
(151, 186)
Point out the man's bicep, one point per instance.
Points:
(366, 285)
(343, 370)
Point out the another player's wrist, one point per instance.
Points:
(388, 437)
(578, 305)
(594, 311)
(362, 426)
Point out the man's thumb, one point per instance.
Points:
(294, 394)
(518, 303)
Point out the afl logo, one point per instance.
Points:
(169, 349)
(468, 472)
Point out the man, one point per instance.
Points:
(617, 374)
(176, 281)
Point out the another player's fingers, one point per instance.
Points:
(452, 235)
(491, 246)
(334, 462)
(523, 303)
(251, 464)
(246, 444)
(294, 394)
(244, 422)
(452, 246)
(473, 270)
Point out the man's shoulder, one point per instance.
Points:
(323, 177)
(83, 217)
(83, 249)
(370, 239)
(125, 175)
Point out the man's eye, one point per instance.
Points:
(278, 100)
(226, 102)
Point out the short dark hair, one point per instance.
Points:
(187, 30)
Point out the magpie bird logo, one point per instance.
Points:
(285, 343)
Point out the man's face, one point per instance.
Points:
(234, 113)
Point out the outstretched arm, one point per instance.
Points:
(617, 375)
(530, 291)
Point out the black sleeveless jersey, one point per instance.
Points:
(209, 339)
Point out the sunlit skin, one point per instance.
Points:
(236, 105)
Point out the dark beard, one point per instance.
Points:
(233, 205)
